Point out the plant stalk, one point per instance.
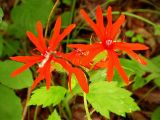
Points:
(50, 16)
(86, 107)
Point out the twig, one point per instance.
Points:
(86, 107)
(25, 107)
(50, 15)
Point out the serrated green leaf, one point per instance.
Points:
(26, 15)
(1, 14)
(22, 80)
(45, 97)
(155, 114)
(107, 97)
(10, 105)
(97, 75)
(54, 116)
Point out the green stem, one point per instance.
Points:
(50, 16)
(35, 113)
(71, 18)
(145, 95)
(86, 106)
(66, 105)
(135, 16)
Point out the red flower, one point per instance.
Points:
(79, 58)
(107, 35)
(47, 55)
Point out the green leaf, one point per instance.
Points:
(134, 39)
(155, 114)
(67, 2)
(22, 80)
(140, 38)
(26, 15)
(1, 45)
(97, 75)
(4, 25)
(11, 47)
(66, 18)
(58, 67)
(10, 105)
(107, 97)
(156, 61)
(102, 55)
(157, 30)
(139, 82)
(129, 33)
(44, 97)
(54, 116)
(1, 14)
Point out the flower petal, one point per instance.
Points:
(131, 46)
(35, 41)
(48, 74)
(110, 71)
(99, 20)
(37, 80)
(44, 73)
(116, 26)
(84, 47)
(21, 69)
(109, 24)
(40, 35)
(92, 24)
(119, 67)
(136, 57)
(56, 32)
(82, 80)
(63, 35)
(28, 59)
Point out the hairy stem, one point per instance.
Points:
(71, 18)
(50, 15)
(86, 106)
(35, 113)
(25, 107)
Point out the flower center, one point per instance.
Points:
(46, 55)
(107, 43)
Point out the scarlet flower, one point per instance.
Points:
(107, 35)
(79, 58)
(47, 55)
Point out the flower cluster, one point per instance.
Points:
(83, 54)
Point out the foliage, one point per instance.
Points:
(104, 97)
(18, 82)
(1, 14)
(10, 105)
(54, 116)
(108, 97)
(27, 14)
(45, 97)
